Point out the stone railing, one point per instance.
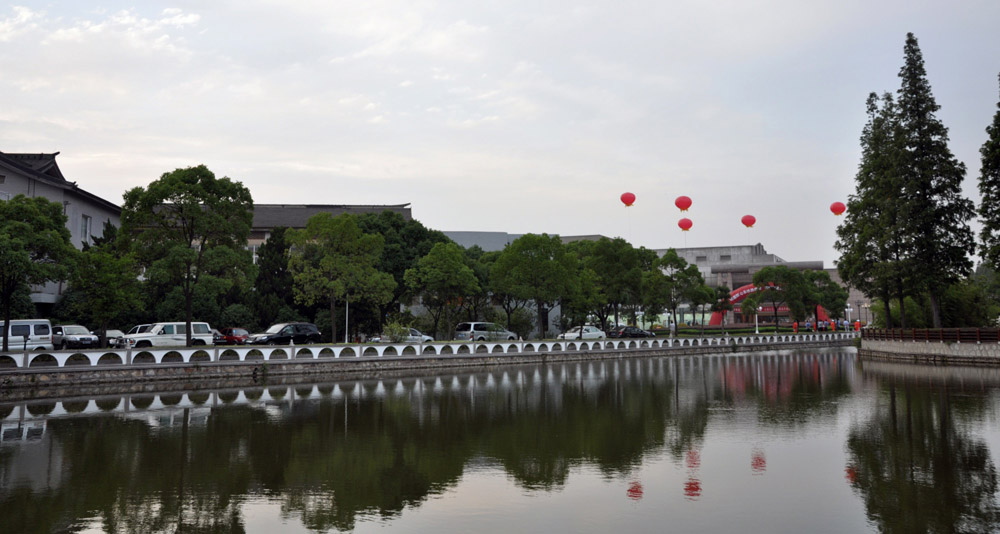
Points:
(250, 353)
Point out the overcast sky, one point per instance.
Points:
(515, 116)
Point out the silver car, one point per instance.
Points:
(483, 332)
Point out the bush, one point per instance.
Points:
(395, 332)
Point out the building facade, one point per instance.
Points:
(38, 175)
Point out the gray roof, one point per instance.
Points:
(43, 167)
(266, 216)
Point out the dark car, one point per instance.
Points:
(629, 331)
(286, 334)
(233, 336)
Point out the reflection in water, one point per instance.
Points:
(918, 467)
(334, 454)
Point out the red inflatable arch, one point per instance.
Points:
(737, 295)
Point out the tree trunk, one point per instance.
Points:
(6, 317)
(542, 319)
(188, 303)
(888, 314)
(333, 320)
(935, 308)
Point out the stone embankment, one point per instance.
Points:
(76, 369)
(941, 346)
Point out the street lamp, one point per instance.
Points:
(756, 325)
(865, 307)
(849, 309)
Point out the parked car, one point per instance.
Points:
(415, 336)
(483, 332)
(114, 338)
(233, 336)
(287, 333)
(171, 335)
(30, 334)
(589, 332)
(73, 336)
(629, 331)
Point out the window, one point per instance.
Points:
(20, 330)
(725, 257)
(700, 259)
(41, 329)
(85, 228)
(167, 330)
(200, 328)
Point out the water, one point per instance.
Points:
(778, 442)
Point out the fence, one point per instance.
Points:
(83, 359)
(937, 335)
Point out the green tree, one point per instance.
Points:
(681, 279)
(273, 285)
(780, 285)
(821, 290)
(873, 251)
(405, 242)
(936, 216)
(618, 267)
(189, 231)
(722, 304)
(106, 286)
(538, 268)
(701, 297)
(441, 279)
(989, 188)
(332, 260)
(34, 247)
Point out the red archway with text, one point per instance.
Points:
(739, 294)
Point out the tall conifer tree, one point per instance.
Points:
(873, 256)
(934, 215)
(989, 188)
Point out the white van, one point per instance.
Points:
(170, 335)
(30, 334)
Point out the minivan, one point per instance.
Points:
(483, 332)
(28, 334)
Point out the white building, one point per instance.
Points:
(38, 175)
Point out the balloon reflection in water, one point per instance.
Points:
(758, 462)
(635, 491)
(692, 489)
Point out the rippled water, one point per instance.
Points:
(774, 442)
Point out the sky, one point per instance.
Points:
(514, 116)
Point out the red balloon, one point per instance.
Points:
(628, 199)
(749, 221)
(685, 224)
(683, 203)
(837, 208)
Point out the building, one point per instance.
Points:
(38, 175)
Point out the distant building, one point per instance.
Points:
(735, 266)
(38, 175)
(495, 241)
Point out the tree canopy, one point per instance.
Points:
(34, 247)
(189, 230)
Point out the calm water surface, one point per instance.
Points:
(769, 443)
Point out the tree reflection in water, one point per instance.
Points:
(919, 469)
(374, 448)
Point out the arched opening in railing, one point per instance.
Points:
(172, 357)
(110, 358)
(77, 359)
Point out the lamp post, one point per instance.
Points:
(756, 325)
(865, 307)
(848, 309)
